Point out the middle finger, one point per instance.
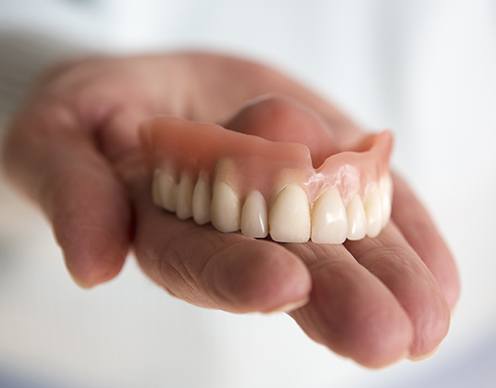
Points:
(391, 259)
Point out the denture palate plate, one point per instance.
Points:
(261, 187)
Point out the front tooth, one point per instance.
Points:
(289, 217)
(373, 211)
(254, 216)
(165, 189)
(225, 208)
(357, 222)
(201, 201)
(386, 189)
(329, 221)
(184, 197)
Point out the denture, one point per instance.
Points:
(260, 187)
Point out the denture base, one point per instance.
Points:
(243, 182)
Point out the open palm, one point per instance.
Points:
(74, 149)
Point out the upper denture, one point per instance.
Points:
(230, 166)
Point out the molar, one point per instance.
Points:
(329, 220)
(373, 211)
(184, 197)
(289, 216)
(254, 216)
(357, 222)
(201, 200)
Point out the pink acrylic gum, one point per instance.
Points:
(247, 162)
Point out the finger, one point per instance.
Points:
(283, 119)
(419, 230)
(391, 259)
(258, 80)
(291, 122)
(212, 269)
(53, 160)
(350, 310)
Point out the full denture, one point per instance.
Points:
(238, 181)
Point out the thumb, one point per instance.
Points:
(53, 159)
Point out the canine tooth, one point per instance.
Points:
(357, 222)
(166, 190)
(225, 208)
(329, 221)
(289, 216)
(373, 211)
(386, 189)
(184, 197)
(201, 201)
(254, 216)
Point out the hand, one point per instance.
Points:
(74, 150)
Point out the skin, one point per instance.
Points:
(73, 148)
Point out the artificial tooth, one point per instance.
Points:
(254, 216)
(289, 217)
(329, 220)
(225, 208)
(201, 201)
(184, 197)
(166, 189)
(357, 222)
(373, 211)
(386, 189)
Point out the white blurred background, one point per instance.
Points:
(425, 68)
